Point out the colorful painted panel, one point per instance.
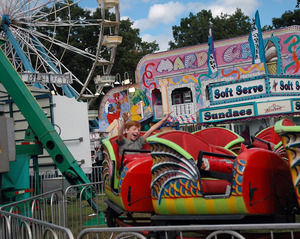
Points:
(119, 100)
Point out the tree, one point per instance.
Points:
(194, 29)
(228, 26)
(288, 18)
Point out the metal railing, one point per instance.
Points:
(80, 213)
(41, 216)
(65, 214)
(55, 209)
(13, 226)
(49, 180)
(240, 231)
(47, 207)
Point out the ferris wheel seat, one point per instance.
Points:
(109, 3)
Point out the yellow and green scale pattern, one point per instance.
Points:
(291, 142)
(107, 176)
(177, 193)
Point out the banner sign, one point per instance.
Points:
(274, 107)
(211, 58)
(256, 41)
(232, 91)
(284, 86)
(296, 105)
(248, 89)
(247, 110)
(226, 113)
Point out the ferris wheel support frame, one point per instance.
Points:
(19, 51)
(99, 47)
(10, 36)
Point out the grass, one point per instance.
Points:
(81, 215)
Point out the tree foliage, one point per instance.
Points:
(194, 29)
(288, 18)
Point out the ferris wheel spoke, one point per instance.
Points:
(59, 43)
(29, 7)
(64, 45)
(55, 11)
(63, 23)
(37, 26)
(59, 67)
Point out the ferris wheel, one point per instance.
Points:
(37, 34)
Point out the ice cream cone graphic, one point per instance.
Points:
(271, 57)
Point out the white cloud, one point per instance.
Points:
(170, 13)
(142, 24)
(166, 13)
(229, 7)
(127, 4)
(92, 9)
(225, 6)
(162, 40)
(125, 18)
(160, 14)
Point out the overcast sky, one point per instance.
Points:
(155, 18)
